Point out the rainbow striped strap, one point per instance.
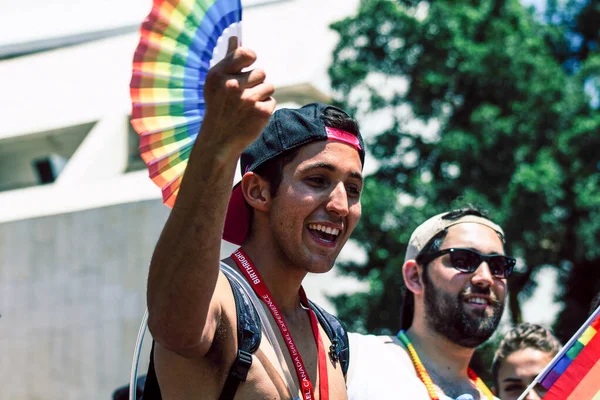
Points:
(426, 379)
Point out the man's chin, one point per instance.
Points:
(471, 341)
(482, 334)
(320, 269)
(320, 264)
(482, 316)
(473, 330)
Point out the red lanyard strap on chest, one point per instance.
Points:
(254, 279)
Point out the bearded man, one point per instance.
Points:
(455, 272)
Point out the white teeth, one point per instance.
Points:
(317, 227)
(477, 300)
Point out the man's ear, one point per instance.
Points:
(412, 271)
(256, 191)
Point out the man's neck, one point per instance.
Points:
(283, 282)
(443, 359)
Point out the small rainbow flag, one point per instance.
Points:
(574, 374)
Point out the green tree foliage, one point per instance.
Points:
(577, 34)
(574, 36)
(469, 100)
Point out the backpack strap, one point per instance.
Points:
(335, 330)
(151, 388)
(249, 335)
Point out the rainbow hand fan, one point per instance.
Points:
(180, 40)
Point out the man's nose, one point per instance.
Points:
(338, 201)
(483, 276)
(532, 395)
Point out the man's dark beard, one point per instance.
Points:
(446, 315)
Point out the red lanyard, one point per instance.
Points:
(247, 267)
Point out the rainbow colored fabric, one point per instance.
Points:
(177, 42)
(575, 374)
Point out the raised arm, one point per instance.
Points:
(183, 303)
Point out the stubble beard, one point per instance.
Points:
(446, 314)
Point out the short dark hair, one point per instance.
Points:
(272, 170)
(524, 336)
(407, 311)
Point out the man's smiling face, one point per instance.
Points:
(317, 205)
(464, 307)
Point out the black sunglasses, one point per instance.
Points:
(468, 260)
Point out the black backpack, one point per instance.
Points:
(249, 330)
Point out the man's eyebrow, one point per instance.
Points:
(493, 253)
(510, 379)
(332, 168)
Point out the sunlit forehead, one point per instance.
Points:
(521, 368)
(332, 156)
(474, 236)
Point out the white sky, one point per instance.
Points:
(539, 4)
(39, 19)
(22, 21)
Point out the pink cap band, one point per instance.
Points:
(343, 136)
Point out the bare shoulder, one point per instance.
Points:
(184, 377)
(181, 377)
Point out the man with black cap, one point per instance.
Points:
(455, 273)
(294, 209)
